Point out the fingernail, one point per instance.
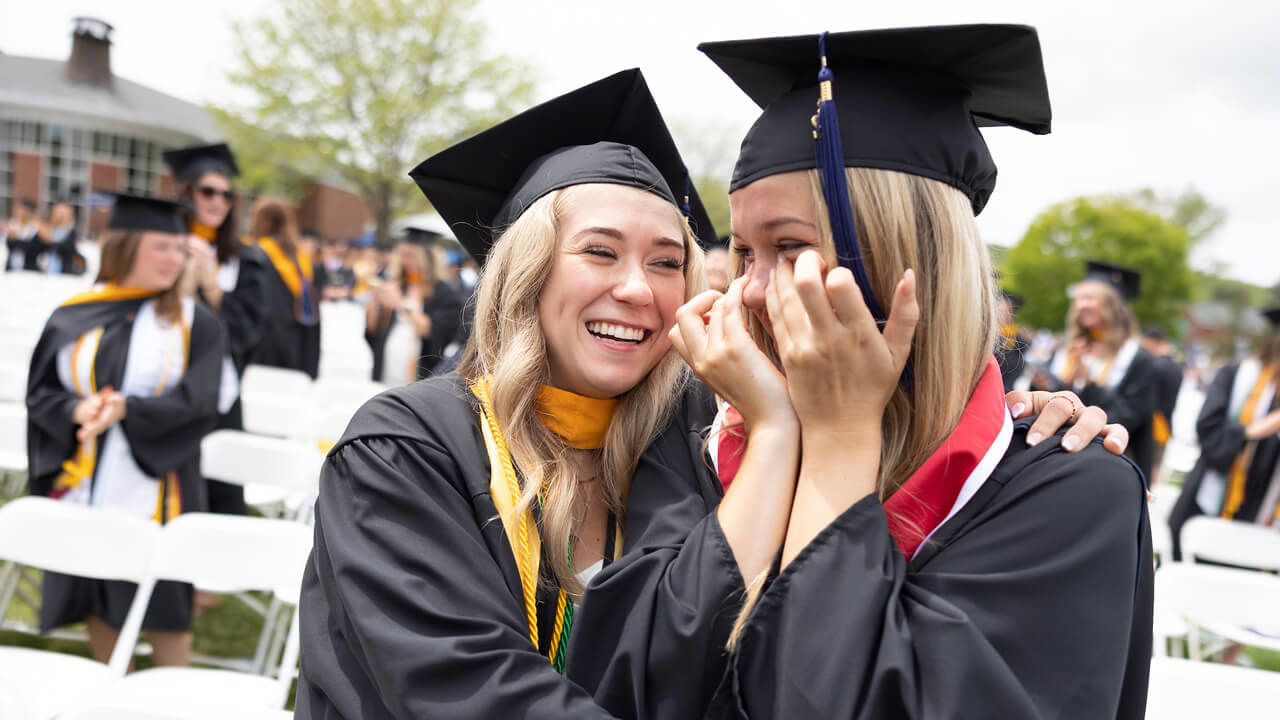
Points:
(1019, 409)
(1070, 442)
(1034, 438)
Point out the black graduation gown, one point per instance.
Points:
(1221, 441)
(1131, 403)
(1034, 601)
(285, 342)
(241, 312)
(28, 248)
(411, 601)
(445, 310)
(1168, 383)
(163, 433)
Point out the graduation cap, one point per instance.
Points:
(189, 163)
(909, 99)
(1126, 281)
(421, 236)
(607, 132)
(143, 213)
(1273, 316)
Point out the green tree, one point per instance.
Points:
(362, 90)
(715, 198)
(1050, 257)
(1188, 209)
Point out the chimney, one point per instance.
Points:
(90, 61)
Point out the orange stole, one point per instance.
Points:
(1240, 468)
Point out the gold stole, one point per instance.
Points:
(286, 267)
(504, 489)
(1240, 468)
(1009, 333)
(84, 458)
(204, 231)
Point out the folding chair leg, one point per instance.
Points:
(10, 576)
(269, 621)
(282, 628)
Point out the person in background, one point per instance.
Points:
(414, 316)
(1014, 343)
(1102, 360)
(228, 277)
(22, 237)
(718, 265)
(124, 384)
(1239, 430)
(340, 277)
(59, 237)
(1168, 383)
(291, 328)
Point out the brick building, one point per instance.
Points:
(69, 128)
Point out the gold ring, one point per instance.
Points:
(1076, 406)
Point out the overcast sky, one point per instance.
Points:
(1167, 95)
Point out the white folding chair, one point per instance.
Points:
(274, 380)
(1229, 541)
(223, 553)
(1186, 689)
(1240, 606)
(75, 540)
(273, 471)
(13, 437)
(13, 378)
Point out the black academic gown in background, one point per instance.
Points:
(285, 342)
(444, 307)
(163, 433)
(1131, 403)
(1221, 441)
(1168, 383)
(241, 311)
(411, 601)
(1034, 601)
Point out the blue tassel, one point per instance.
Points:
(684, 202)
(828, 154)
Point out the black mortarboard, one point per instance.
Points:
(147, 214)
(1273, 316)
(1015, 300)
(1126, 281)
(909, 99)
(420, 236)
(607, 132)
(189, 163)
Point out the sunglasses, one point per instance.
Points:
(209, 193)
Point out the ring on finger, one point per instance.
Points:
(1077, 407)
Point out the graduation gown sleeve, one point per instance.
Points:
(648, 639)
(164, 431)
(405, 613)
(243, 309)
(1221, 437)
(445, 310)
(51, 432)
(1037, 607)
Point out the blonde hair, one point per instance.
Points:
(507, 346)
(907, 221)
(1119, 324)
(426, 260)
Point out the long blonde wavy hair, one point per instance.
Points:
(508, 347)
(907, 221)
(1119, 323)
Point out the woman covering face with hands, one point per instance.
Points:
(935, 560)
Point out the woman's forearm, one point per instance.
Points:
(754, 511)
(835, 473)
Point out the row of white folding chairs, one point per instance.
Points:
(1189, 690)
(218, 552)
(287, 403)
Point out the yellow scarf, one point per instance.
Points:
(1010, 335)
(108, 293)
(1240, 468)
(580, 420)
(286, 267)
(204, 231)
(521, 530)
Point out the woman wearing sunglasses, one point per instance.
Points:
(225, 274)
